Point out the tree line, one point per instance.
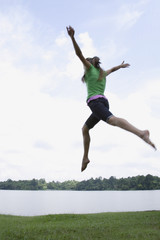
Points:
(140, 182)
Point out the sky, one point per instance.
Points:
(43, 101)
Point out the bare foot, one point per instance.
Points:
(84, 163)
(145, 137)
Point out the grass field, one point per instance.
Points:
(106, 226)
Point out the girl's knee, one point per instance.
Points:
(112, 121)
(85, 129)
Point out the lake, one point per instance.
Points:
(34, 203)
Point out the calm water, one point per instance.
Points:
(33, 203)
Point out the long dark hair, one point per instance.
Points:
(96, 65)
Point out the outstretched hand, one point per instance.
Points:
(70, 31)
(124, 65)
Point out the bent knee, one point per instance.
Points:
(85, 129)
(112, 121)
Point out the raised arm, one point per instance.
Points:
(77, 49)
(122, 65)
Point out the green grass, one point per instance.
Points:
(106, 226)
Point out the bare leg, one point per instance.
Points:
(86, 144)
(122, 123)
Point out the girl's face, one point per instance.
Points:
(96, 61)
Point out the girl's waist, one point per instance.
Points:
(95, 97)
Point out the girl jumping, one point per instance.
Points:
(95, 79)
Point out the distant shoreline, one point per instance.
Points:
(139, 182)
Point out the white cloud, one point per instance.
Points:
(61, 39)
(128, 18)
(88, 48)
(129, 14)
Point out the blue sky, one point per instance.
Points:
(42, 100)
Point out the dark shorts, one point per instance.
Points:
(100, 111)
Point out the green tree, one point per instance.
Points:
(34, 184)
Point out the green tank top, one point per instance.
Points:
(94, 86)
